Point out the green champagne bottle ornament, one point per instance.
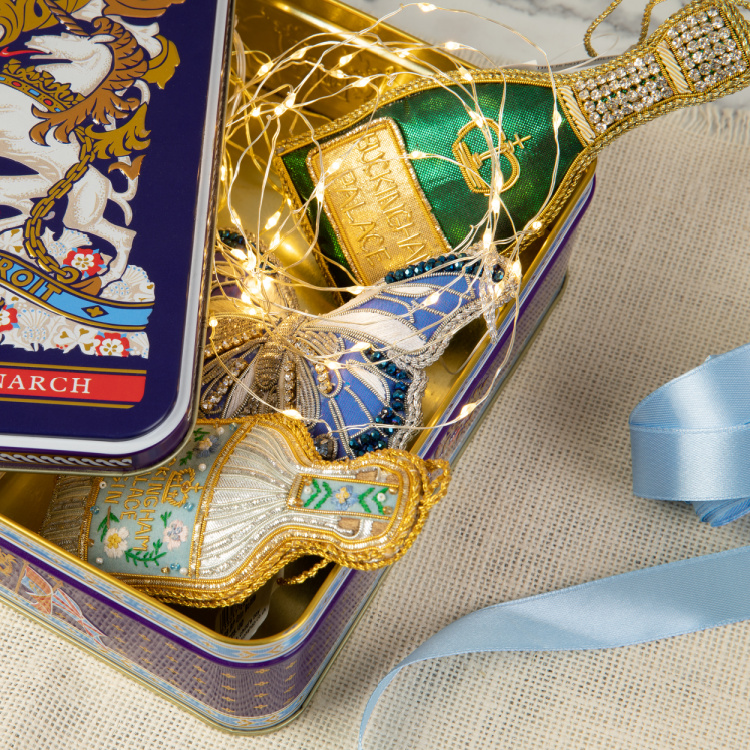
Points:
(424, 170)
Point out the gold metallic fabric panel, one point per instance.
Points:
(377, 208)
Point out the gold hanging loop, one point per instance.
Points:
(646, 20)
(645, 23)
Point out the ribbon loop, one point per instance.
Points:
(690, 439)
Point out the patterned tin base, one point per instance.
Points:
(252, 685)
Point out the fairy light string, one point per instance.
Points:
(265, 104)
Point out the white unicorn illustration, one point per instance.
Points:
(95, 71)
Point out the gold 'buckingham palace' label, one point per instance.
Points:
(374, 202)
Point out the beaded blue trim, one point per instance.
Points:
(443, 263)
(231, 238)
(377, 439)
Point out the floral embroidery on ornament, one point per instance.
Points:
(346, 497)
(175, 534)
(112, 345)
(206, 446)
(116, 541)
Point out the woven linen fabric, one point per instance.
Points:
(540, 500)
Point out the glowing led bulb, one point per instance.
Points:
(466, 409)
(289, 101)
(264, 69)
(453, 45)
(487, 238)
(298, 54)
(213, 322)
(293, 413)
(255, 112)
(432, 299)
(276, 241)
(426, 7)
(335, 166)
(273, 221)
(362, 82)
(235, 252)
(344, 59)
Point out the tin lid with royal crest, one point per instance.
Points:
(110, 115)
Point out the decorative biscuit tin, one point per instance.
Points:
(221, 664)
(108, 141)
(239, 685)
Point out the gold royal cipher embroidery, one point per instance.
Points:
(470, 163)
(380, 215)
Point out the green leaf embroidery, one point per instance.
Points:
(136, 555)
(199, 434)
(165, 517)
(377, 502)
(313, 495)
(103, 527)
(329, 492)
(186, 458)
(362, 499)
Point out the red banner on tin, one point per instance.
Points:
(71, 385)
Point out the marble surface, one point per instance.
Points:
(555, 26)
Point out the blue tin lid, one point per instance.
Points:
(109, 133)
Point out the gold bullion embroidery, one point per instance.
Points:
(471, 162)
(380, 215)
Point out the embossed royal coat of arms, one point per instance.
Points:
(108, 128)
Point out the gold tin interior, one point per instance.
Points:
(271, 26)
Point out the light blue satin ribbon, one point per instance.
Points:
(690, 439)
(690, 442)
